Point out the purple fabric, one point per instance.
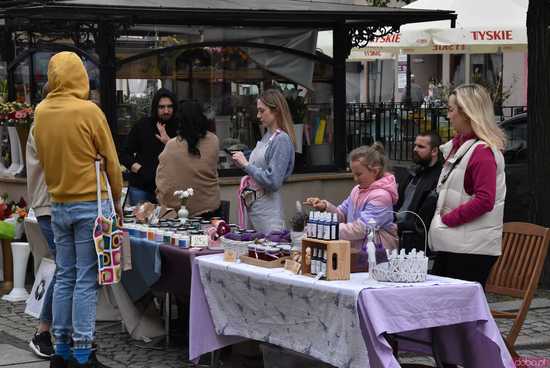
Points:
(176, 264)
(457, 315)
(202, 334)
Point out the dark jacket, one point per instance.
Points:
(411, 232)
(143, 147)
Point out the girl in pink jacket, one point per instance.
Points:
(373, 198)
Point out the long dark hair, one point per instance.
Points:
(192, 125)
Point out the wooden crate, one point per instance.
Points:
(279, 262)
(338, 257)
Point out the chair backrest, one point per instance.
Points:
(518, 269)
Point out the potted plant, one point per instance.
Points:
(298, 109)
(19, 115)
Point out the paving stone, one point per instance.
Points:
(118, 350)
(10, 355)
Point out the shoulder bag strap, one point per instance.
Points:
(457, 161)
(109, 192)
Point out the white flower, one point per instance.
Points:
(183, 195)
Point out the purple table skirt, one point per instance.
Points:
(456, 315)
(160, 267)
(176, 270)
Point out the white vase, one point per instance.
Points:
(20, 252)
(183, 214)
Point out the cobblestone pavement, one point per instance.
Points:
(117, 349)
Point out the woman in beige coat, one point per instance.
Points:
(190, 161)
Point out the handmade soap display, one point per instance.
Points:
(255, 248)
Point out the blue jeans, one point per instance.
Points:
(75, 291)
(138, 195)
(45, 223)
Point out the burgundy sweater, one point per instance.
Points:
(479, 181)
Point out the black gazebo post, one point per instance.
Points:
(105, 47)
(8, 54)
(340, 54)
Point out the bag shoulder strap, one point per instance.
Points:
(456, 162)
(109, 192)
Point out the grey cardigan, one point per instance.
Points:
(280, 160)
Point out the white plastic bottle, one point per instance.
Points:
(309, 231)
(327, 226)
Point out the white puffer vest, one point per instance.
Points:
(484, 234)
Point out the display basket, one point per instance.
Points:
(239, 247)
(412, 267)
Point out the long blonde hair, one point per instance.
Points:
(475, 102)
(276, 102)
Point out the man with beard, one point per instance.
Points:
(144, 145)
(417, 192)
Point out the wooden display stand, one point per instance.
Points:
(338, 257)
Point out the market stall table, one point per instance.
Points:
(155, 267)
(160, 267)
(344, 323)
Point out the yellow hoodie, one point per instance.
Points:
(70, 131)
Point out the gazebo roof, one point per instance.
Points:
(297, 13)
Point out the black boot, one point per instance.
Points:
(91, 363)
(57, 361)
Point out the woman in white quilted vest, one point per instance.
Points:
(466, 229)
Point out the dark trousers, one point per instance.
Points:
(470, 267)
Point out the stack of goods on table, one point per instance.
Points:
(253, 247)
(196, 232)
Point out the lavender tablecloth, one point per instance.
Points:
(456, 315)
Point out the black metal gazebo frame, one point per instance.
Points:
(352, 26)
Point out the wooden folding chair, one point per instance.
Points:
(517, 271)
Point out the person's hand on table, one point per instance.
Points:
(316, 203)
(239, 158)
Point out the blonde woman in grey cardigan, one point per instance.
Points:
(270, 163)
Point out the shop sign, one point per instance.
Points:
(496, 35)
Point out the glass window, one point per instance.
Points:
(227, 81)
(486, 69)
(30, 90)
(458, 74)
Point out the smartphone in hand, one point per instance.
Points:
(230, 152)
